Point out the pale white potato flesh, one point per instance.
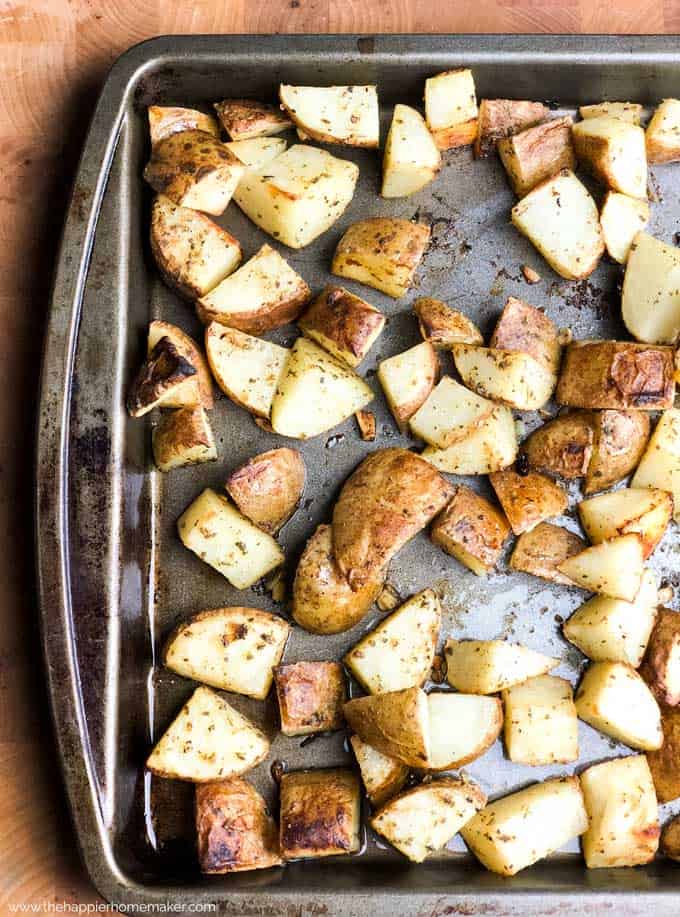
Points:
(257, 151)
(298, 195)
(222, 537)
(462, 728)
(614, 151)
(489, 446)
(411, 157)
(627, 111)
(233, 649)
(641, 510)
(165, 120)
(451, 108)
(541, 726)
(622, 811)
(663, 133)
(449, 414)
(208, 740)
(513, 378)
(407, 379)
(399, 652)
(424, 819)
(489, 666)
(518, 830)
(660, 465)
(381, 775)
(246, 368)
(613, 698)
(560, 218)
(185, 396)
(622, 218)
(183, 437)
(334, 114)
(611, 630)
(650, 300)
(613, 567)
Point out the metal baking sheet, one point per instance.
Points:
(114, 577)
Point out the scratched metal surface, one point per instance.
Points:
(129, 578)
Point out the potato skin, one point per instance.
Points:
(166, 120)
(541, 550)
(396, 723)
(164, 369)
(670, 839)
(183, 437)
(527, 499)
(472, 523)
(345, 320)
(562, 446)
(526, 329)
(501, 118)
(190, 350)
(665, 763)
(268, 488)
(537, 153)
(244, 119)
(662, 658)
(620, 438)
(319, 813)
(311, 696)
(442, 326)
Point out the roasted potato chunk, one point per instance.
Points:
(501, 118)
(451, 108)
(462, 728)
(528, 499)
(382, 776)
(343, 324)
(367, 426)
(490, 666)
(513, 378)
(660, 465)
(563, 446)
(183, 437)
(662, 138)
(670, 839)
(613, 567)
(442, 326)
(526, 329)
(449, 413)
(472, 530)
(244, 119)
(650, 300)
(320, 813)
(661, 665)
(486, 446)
(311, 696)
(627, 111)
(614, 151)
(541, 726)
(664, 763)
(268, 488)
(334, 114)
(620, 438)
(537, 153)
(166, 120)
(185, 396)
(165, 374)
(542, 550)
(411, 158)
(258, 151)
(396, 723)
(634, 509)
(622, 218)
(407, 380)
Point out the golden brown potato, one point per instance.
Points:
(389, 498)
(234, 830)
(562, 446)
(320, 813)
(442, 326)
(311, 696)
(661, 666)
(382, 776)
(543, 549)
(616, 374)
(528, 499)
(366, 424)
(166, 120)
(183, 437)
(343, 324)
(407, 379)
(620, 438)
(662, 133)
(451, 108)
(665, 762)
(644, 510)
(472, 530)
(189, 349)
(613, 150)
(515, 379)
(614, 567)
(244, 119)
(526, 329)
(268, 488)
(397, 723)
(501, 118)
(670, 839)
(490, 666)
(613, 698)
(163, 375)
(537, 153)
(333, 114)
(323, 601)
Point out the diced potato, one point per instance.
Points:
(526, 329)
(367, 425)
(528, 499)
(396, 723)
(501, 118)
(663, 133)
(166, 120)
(650, 301)
(634, 509)
(515, 379)
(489, 666)
(560, 218)
(488, 446)
(216, 532)
(185, 396)
(443, 326)
(537, 153)
(626, 111)
(541, 726)
(244, 119)
(310, 696)
(562, 446)
(664, 763)
(449, 414)
(472, 530)
(518, 830)
(462, 728)
(613, 698)
(451, 108)
(258, 151)
(334, 114)
(407, 380)
(382, 252)
(320, 813)
(661, 665)
(233, 649)
(411, 158)
(264, 293)
(165, 378)
(620, 438)
(670, 839)
(611, 630)
(208, 740)
(268, 487)
(660, 465)
(543, 549)
(614, 151)
(343, 324)
(622, 218)
(299, 195)
(399, 652)
(613, 567)
(382, 776)
(183, 437)
(247, 369)
(622, 813)
(425, 818)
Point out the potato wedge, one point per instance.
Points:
(537, 153)
(234, 830)
(627, 111)
(182, 438)
(247, 369)
(543, 549)
(310, 697)
(320, 813)
(195, 170)
(664, 763)
(528, 499)
(258, 151)
(670, 839)
(650, 301)
(472, 530)
(268, 488)
(190, 350)
(541, 726)
(613, 698)
(660, 465)
(233, 649)
(382, 776)
(634, 509)
(343, 324)
(382, 252)
(166, 375)
(526, 329)
(396, 724)
(518, 830)
(611, 630)
(216, 532)
(192, 252)
(614, 151)
(244, 119)
(562, 446)
(165, 120)
(462, 728)
(323, 600)
(208, 740)
(616, 374)
(423, 819)
(490, 666)
(515, 379)
(501, 118)
(442, 326)
(299, 195)
(622, 218)
(399, 493)
(407, 380)
(264, 293)
(451, 108)
(612, 567)
(334, 114)
(398, 653)
(663, 132)
(661, 665)
(411, 158)
(488, 446)
(315, 393)
(620, 438)
(622, 813)
(449, 414)
(560, 218)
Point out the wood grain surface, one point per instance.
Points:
(54, 55)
